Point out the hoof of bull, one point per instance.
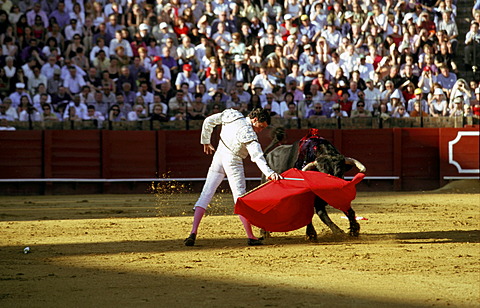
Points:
(355, 231)
(311, 237)
(265, 234)
(311, 233)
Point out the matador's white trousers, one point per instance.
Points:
(223, 163)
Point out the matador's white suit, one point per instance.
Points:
(238, 140)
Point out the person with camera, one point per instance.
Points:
(426, 80)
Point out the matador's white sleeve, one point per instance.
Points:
(249, 139)
(208, 125)
(256, 155)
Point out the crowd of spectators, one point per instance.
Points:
(127, 60)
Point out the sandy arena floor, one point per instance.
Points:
(415, 250)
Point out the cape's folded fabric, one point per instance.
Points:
(286, 205)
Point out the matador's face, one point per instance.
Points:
(258, 126)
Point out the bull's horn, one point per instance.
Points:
(351, 161)
(310, 166)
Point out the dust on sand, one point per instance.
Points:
(417, 249)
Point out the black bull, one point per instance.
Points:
(316, 153)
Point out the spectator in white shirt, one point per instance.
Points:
(48, 68)
(332, 67)
(264, 81)
(143, 92)
(372, 95)
(222, 38)
(30, 114)
(337, 112)
(136, 114)
(36, 80)
(80, 108)
(332, 36)
(10, 69)
(450, 28)
(100, 46)
(73, 82)
(350, 59)
(365, 69)
(72, 29)
(17, 95)
(119, 41)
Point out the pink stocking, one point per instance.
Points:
(197, 217)
(248, 227)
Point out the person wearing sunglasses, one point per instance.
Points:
(361, 112)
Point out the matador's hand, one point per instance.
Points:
(208, 149)
(275, 177)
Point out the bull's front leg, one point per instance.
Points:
(322, 213)
(354, 225)
(311, 233)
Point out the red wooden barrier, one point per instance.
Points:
(184, 155)
(418, 158)
(129, 154)
(21, 154)
(72, 154)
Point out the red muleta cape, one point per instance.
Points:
(286, 205)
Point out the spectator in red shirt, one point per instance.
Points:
(476, 109)
(181, 27)
(424, 22)
(321, 82)
(345, 104)
(286, 28)
(408, 91)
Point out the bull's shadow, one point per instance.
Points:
(426, 237)
(450, 236)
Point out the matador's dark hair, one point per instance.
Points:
(261, 114)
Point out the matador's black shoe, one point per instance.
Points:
(190, 240)
(254, 242)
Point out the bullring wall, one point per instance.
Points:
(88, 161)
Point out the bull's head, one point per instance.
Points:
(334, 165)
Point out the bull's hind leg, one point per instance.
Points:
(354, 225)
(322, 213)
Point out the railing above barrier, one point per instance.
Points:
(320, 123)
